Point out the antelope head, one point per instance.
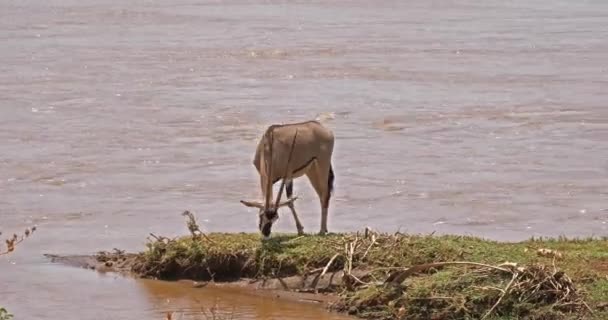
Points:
(267, 216)
(268, 213)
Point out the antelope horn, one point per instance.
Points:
(269, 139)
(293, 143)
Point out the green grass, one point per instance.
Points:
(4, 315)
(446, 292)
(234, 255)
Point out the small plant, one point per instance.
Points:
(4, 315)
(12, 242)
(193, 227)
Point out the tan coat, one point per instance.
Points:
(312, 153)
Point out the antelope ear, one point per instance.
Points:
(288, 201)
(253, 204)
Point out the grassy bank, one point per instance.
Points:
(397, 276)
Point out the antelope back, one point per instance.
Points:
(314, 142)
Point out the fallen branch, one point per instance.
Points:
(399, 277)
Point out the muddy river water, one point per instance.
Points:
(487, 118)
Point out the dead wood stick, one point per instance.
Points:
(432, 298)
(350, 257)
(329, 264)
(314, 283)
(370, 246)
(294, 239)
(154, 236)
(351, 253)
(504, 293)
(313, 271)
(358, 280)
(588, 308)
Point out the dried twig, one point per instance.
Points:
(350, 254)
(587, 306)
(329, 264)
(295, 239)
(504, 292)
(160, 238)
(316, 280)
(370, 246)
(350, 249)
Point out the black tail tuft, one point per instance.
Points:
(330, 181)
(289, 189)
(330, 186)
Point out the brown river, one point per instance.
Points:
(487, 118)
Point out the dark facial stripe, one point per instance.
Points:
(266, 229)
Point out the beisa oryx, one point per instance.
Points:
(286, 152)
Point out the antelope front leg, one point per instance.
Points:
(289, 191)
(295, 217)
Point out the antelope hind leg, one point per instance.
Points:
(321, 189)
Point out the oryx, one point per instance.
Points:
(286, 152)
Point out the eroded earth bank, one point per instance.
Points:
(386, 276)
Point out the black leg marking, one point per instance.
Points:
(330, 185)
(289, 189)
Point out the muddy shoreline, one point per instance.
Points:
(294, 288)
(383, 276)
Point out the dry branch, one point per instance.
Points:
(316, 280)
(370, 245)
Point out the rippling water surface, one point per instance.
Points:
(462, 117)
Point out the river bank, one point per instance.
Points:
(386, 276)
